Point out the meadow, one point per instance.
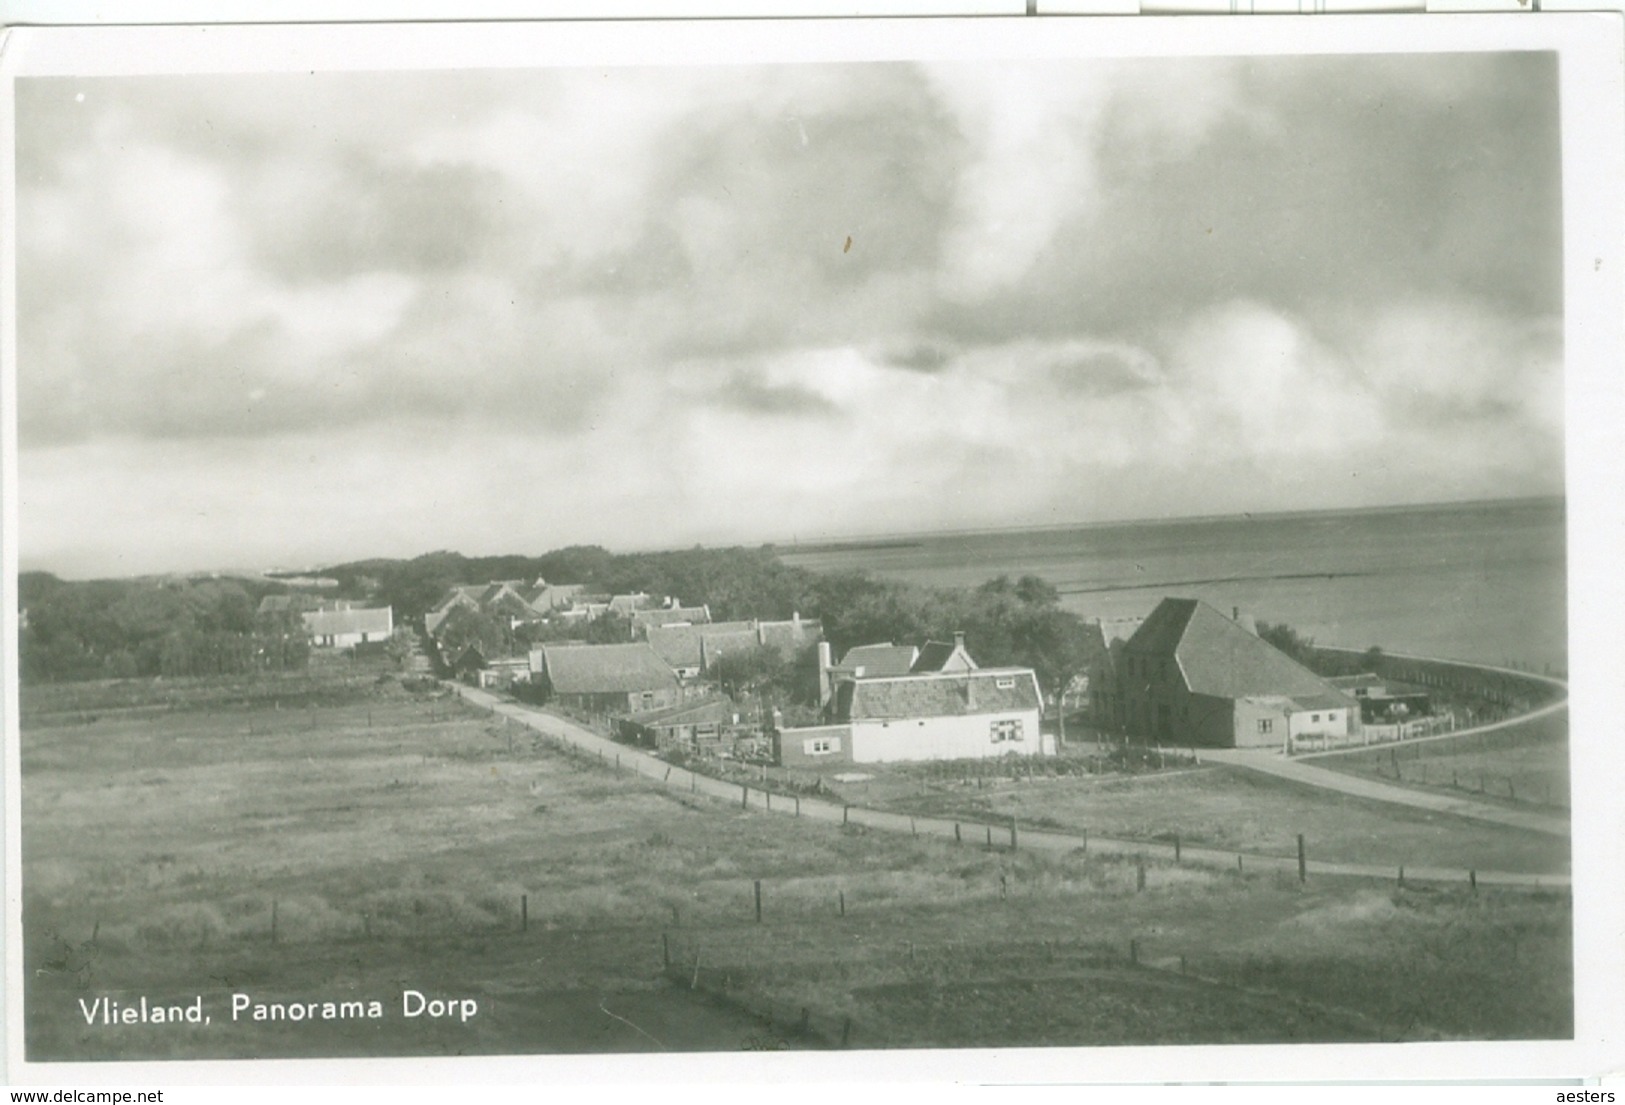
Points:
(1525, 764)
(344, 836)
(1221, 807)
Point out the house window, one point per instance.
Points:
(1002, 731)
(821, 746)
(1266, 725)
(1314, 717)
(1005, 683)
(647, 698)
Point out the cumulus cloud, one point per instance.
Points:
(739, 302)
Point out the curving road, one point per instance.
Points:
(1270, 762)
(626, 758)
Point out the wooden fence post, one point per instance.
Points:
(744, 797)
(798, 805)
(843, 902)
(1402, 874)
(769, 794)
(1139, 873)
(958, 839)
(1004, 888)
(913, 830)
(1176, 847)
(524, 912)
(1303, 862)
(845, 810)
(1012, 832)
(989, 829)
(1472, 880)
(758, 901)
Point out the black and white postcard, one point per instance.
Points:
(1005, 549)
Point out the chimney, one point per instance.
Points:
(795, 618)
(959, 639)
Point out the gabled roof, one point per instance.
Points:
(946, 694)
(625, 604)
(543, 597)
(670, 615)
(605, 669)
(295, 603)
(333, 623)
(943, 656)
(464, 593)
(717, 641)
(886, 659)
(1219, 658)
(694, 646)
(791, 636)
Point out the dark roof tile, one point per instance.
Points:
(956, 694)
(605, 669)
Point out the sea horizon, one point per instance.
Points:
(795, 546)
(1157, 520)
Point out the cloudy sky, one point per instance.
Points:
(286, 319)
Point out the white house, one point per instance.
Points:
(987, 712)
(347, 628)
(940, 706)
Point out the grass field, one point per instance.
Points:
(1526, 764)
(1225, 808)
(344, 838)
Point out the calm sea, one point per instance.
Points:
(1478, 581)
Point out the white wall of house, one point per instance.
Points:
(1319, 723)
(947, 738)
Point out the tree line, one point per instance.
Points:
(130, 628)
(108, 628)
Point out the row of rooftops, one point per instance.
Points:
(1213, 655)
(636, 667)
(507, 598)
(698, 645)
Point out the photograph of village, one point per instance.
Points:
(844, 556)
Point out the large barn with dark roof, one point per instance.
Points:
(1191, 676)
(606, 679)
